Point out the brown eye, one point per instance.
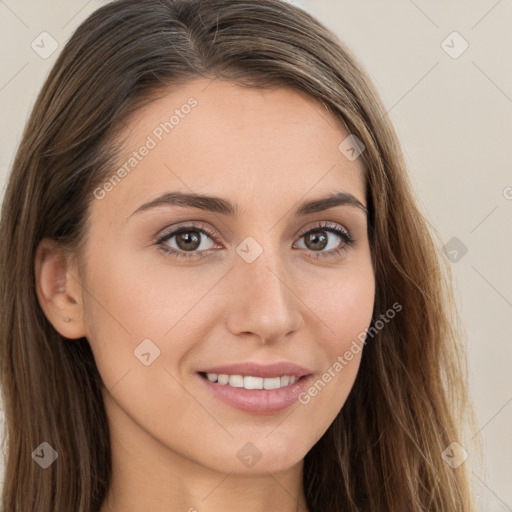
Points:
(188, 240)
(315, 240)
(327, 240)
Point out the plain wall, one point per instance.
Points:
(453, 114)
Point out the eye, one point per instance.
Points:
(185, 241)
(324, 236)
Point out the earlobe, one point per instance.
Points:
(59, 289)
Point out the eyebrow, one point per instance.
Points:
(225, 207)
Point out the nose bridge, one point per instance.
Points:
(263, 302)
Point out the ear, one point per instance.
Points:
(59, 289)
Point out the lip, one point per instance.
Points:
(258, 401)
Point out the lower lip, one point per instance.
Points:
(258, 401)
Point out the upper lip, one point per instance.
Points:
(259, 370)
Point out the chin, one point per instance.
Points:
(260, 456)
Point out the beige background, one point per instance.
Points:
(454, 118)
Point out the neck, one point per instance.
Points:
(201, 490)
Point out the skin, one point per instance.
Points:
(174, 444)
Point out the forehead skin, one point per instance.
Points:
(231, 144)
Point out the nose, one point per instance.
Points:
(263, 302)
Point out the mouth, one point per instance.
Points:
(256, 389)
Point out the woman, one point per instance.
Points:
(218, 292)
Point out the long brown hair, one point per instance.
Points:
(384, 450)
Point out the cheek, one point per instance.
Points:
(142, 323)
(134, 293)
(344, 306)
(132, 300)
(344, 309)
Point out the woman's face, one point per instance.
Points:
(254, 285)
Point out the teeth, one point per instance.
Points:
(222, 379)
(253, 383)
(250, 382)
(273, 383)
(236, 381)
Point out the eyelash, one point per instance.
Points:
(325, 226)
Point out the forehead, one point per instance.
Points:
(219, 138)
